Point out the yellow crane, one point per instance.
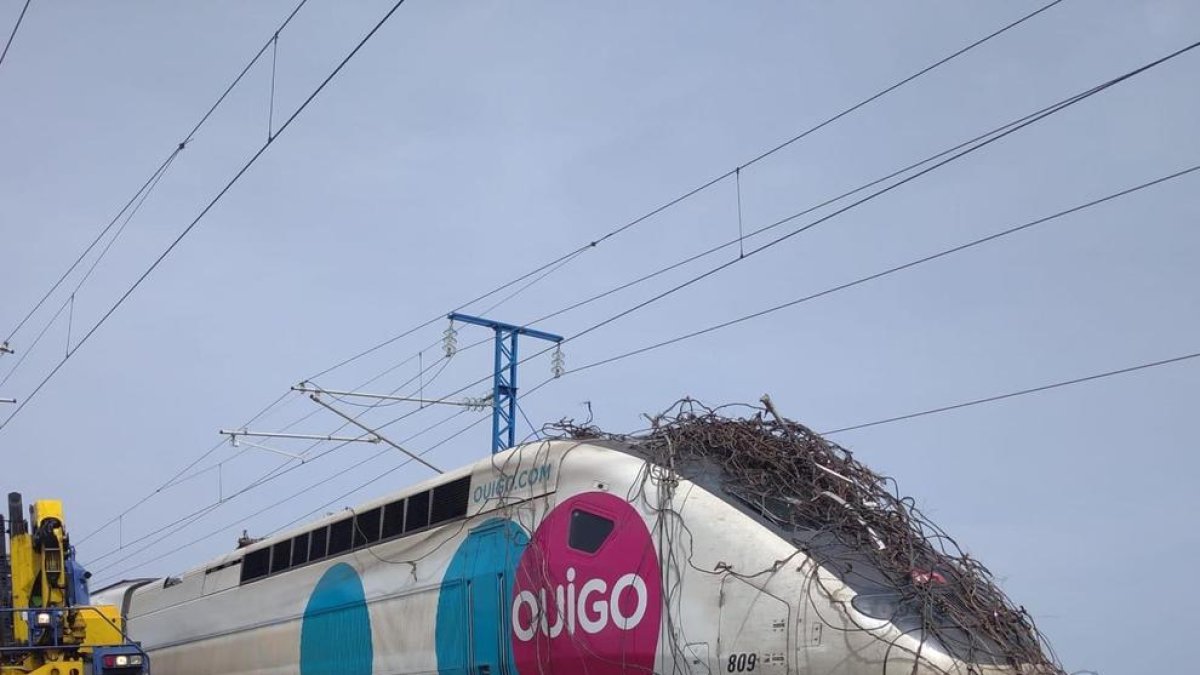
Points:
(47, 626)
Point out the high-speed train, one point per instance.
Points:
(559, 556)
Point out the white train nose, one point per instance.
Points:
(934, 666)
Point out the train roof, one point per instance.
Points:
(523, 456)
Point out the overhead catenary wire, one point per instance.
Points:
(941, 409)
(1002, 132)
(1007, 130)
(688, 194)
(275, 473)
(1028, 120)
(12, 35)
(137, 206)
(778, 223)
(980, 142)
(306, 490)
(891, 270)
(213, 202)
(129, 211)
(156, 174)
(95, 241)
(1097, 89)
(932, 411)
(271, 475)
(183, 474)
(716, 248)
(940, 254)
(1021, 392)
(1048, 110)
(551, 266)
(171, 481)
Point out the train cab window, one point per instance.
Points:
(340, 536)
(393, 519)
(417, 516)
(588, 531)
(300, 549)
(366, 527)
(281, 556)
(319, 538)
(256, 564)
(450, 500)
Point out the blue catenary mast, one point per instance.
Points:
(504, 378)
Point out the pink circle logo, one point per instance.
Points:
(588, 595)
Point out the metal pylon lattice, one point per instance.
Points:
(504, 375)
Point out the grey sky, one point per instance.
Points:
(469, 142)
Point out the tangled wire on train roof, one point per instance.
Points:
(849, 519)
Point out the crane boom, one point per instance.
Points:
(47, 624)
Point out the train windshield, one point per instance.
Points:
(918, 613)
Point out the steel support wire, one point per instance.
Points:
(305, 491)
(129, 213)
(213, 202)
(1030, 119)
(281, 469)
(956, 406)
(387, 473)
(317, 399)
(13, 34)
(157, 172)
(277, 472)
(962, 153)
(593, 243)
(563, 260)
(1021, 392)
(892, 270)
(1009, 129)
(172, 481)
(739, 241)
(1026, 121)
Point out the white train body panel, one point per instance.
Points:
(562, 557)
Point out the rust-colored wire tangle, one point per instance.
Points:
(806, 485)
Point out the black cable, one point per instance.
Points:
(171, 481)
(129, 213)
(1008, 129)
(271, 475)
(63, 277)
(773, 150)
(306, 490)
(194, 517)
(1048, 111)
(1014, 394)
(187, 230)
(182, 475)
(13, 34)
(1002, 132)
(892, 270)
(32, 345)
(780, 222)
(778, 240)
(564, 259)
(157, 172)
(698, 189)
(536, 433)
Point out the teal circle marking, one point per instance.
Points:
(335, 635)
(474, 602)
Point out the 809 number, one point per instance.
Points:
(743, 662)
